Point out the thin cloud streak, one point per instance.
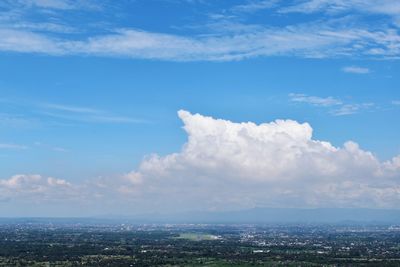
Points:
(55, 4)
(341, 108)
(255, 6)
(42, 111)
(387, 7)
(71, 108)
(315, 100)
(12, 146)
(356, 70)
(91, 118)
(86, 114)
(349, 109)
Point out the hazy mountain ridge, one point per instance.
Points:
(256, 215)
(291, 215)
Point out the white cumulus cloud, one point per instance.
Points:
(33, 187)
(228, 164)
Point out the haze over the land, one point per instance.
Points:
(169, 106)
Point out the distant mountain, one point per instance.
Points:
(276, 215)
(249, 216)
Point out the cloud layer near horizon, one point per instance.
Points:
(228, 165)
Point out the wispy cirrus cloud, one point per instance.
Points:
(336, 106)
(348, 109)
(59, 149)
(16, 120)
(315, 100)
(48, 27)
(84, 114)
(55, 4)
(336, 6)
(300, 41)
(60, 113)
(226, 36)
(12, 146)
(68, 108)
(356, 70)
(90, 118)
(253, 6)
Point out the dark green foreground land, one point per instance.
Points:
(112, 244)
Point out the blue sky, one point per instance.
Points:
(90, 89)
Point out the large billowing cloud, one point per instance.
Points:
(228, 165)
